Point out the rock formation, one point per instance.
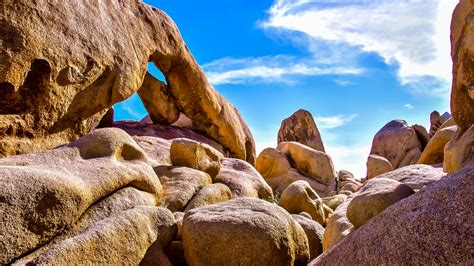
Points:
(300, 127)
(56, 86)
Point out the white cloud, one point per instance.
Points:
(334, 121)
(350, 158)
(409, 106)
(413, 35)
(268, 69)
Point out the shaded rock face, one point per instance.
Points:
(459, 151)
(300, 127)
(398, 143)
(434, 151)
(314, 231)
(45, 193)
(243, 231)
(49, 99)
(462, 53)
(436, 120)
(338, 226)
(433, 226)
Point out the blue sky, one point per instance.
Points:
(355, 65)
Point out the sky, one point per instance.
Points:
(355, 65)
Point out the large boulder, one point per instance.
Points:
(433, 226)
(398, 143)
(158, 101)
(377, 165)
(210, 194)
(300, 197)
(127, 237)
(436, 120)
(180, 185)
(434, 151)
(45, 193)
(272, 163)
(415, 176)
(243, 180)
(421, 134)
(314, 232)
(157, 149)
(310, 162)
(300, 127)
(243, 231)
(374, 197)
(337, 226)
(280, 183)
(196, 155)
(462, 53)
(59, 77)
(459, 151)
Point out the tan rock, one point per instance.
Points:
(459, 151)
(462, 50)
(157, 149)
(180, 184)
(300, 197)
(351, 185)
(179, 216)
(199, 156)
(344, 175)
(436, 120)
(415, 176)
(272, 163)
(314, 232)
(334, 201)
(398, 143)
(57, 86)
(165, 132)
(374, 197)
(243, 231)
(300, 127)
(280, 183)
(377, 165)
(243, 180)
(434, 151)
(121, 238)
(312, 163)
(430, 227)
(208, 195)
(48, 192)
(158, 101)
(337, 226)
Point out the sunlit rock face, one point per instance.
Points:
(58, 77)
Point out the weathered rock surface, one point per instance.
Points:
(462, 50)
(314, 232)
(312, 163)
(108, 119)
(272, 163)
(165, 132)
(45, 193)
(377, 165)
(415, 176)
(422, 135)
(180, 184)
(126, 237)
(157, 149)
(398, 143)
(434, 151)
(243, 180)
(280, 183)
(58, 78)
(158, 101)
(196, 155)
(300, 197)
(243, 231)
(436, 120)
(300, 127)
(374, 197)
(208, 195)
(459, 151)
(334, 201)
(337, 226)
(433, 226)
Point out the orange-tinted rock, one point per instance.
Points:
(434, 151)
(300, 127)
(459, 151)
(59, 77)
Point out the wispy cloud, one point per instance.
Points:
(410, 35)
(409, 106)
(269, 69)
(334, 121)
